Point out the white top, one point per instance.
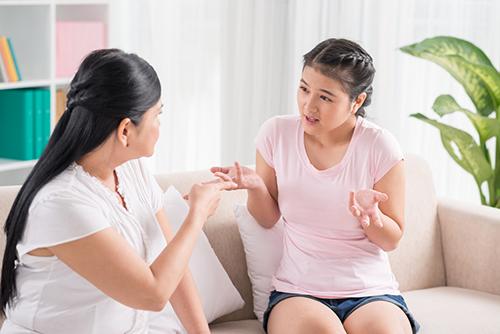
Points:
(51, 297)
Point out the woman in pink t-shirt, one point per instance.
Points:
(337, 181)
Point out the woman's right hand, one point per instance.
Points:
(244, 177)
(205, 197)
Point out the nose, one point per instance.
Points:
(310, 106)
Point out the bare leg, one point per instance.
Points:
(378, 317)
(303, 315)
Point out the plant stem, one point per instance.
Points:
(496, 175)
(483, 199)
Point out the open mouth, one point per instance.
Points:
(311, 119)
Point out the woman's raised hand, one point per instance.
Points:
(363, 205)
(244, 177)
(205, 197)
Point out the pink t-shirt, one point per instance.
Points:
(326, 252)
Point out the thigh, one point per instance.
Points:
(303, 315)
(378, 317)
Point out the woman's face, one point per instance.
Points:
(323, 104)
(146, 133)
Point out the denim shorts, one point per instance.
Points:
(342, 307)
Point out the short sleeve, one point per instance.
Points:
(386, 153)
(60, 218)
(152, 187)
(266, 140)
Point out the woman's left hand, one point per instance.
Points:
(364, 206)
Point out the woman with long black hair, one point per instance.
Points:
(87, 237)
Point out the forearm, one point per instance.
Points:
(171, 265)
(263, 207)
(188, 307)
(386, 237)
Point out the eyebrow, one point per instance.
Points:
(323, 90)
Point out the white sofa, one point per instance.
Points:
(448, 263)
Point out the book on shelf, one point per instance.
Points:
(41, 120)
(60, 104)
(74, 40)
(14, 59)
(3, 71)
(24, 122)
(9, 68)
(45, 118)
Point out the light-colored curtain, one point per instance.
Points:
(227, 65)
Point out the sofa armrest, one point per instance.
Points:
(471, 245)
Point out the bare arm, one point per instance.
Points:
(185, 299)
(261, 185)
(262, 201)
(391, 211)
(107, 261)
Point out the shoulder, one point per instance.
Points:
(283, 121)
(379, 139)
(279, 125)
(61, 189)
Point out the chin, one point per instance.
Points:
(310, 128)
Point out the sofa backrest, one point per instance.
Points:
(417, 262)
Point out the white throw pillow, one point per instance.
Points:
(218, 294)
(263, 251)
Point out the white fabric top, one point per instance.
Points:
(51, 297)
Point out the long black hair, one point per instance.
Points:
(347, 62)
(110, 85)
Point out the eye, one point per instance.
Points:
(325, 98)
(304, 89)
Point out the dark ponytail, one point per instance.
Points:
(347, 62)
(110, 85)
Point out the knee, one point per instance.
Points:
(306, 325)
(323, 328)
(393, 328)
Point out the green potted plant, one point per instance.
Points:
(470, 66)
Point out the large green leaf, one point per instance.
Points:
(469, 155)
(467, 64)
(485, 126)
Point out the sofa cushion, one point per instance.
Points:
(217, 293)
(438, 310)
(418, 261)
(238, 327)
(263, 249)
(222, 233)
(454, 310)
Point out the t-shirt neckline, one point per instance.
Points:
(338, 166)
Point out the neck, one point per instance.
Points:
(339, 135)
(100, 164)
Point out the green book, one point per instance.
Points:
(16, 124)
(38, 134)
(45, 117)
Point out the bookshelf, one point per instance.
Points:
(31, 26)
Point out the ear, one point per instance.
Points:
(358, 102)
(123, 132)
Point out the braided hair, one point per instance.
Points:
(346, 62)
